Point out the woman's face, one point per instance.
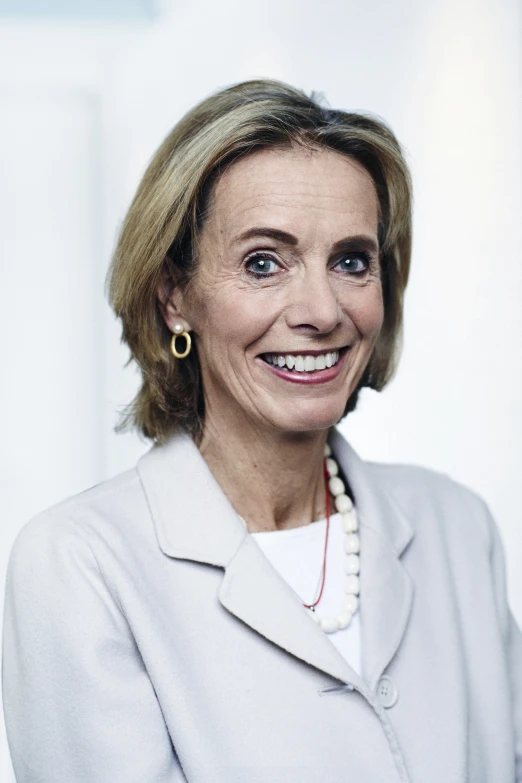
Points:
(286, 304)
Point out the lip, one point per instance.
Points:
(308, 378)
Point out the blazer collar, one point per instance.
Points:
(194, 520)
(193, 517)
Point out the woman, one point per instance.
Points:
(238, 607)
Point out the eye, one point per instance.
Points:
(354, 263)
(261, 266)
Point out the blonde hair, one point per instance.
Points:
(159, 238)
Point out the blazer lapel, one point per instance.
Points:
(386, 588)
(254, 592)
(194, 520)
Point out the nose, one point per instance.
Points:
(313, 304)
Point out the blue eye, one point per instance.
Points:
(261, 266)
(354, 263)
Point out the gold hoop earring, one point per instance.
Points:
(188, 340)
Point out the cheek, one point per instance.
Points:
(226, 319)
(367, 312)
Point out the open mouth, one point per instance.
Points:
(304, 362)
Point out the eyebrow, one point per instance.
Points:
(357, 242)
(271, 233)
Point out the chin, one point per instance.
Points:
(309, 418)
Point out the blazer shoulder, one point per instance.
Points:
(400, 475)
(416, 489)
(86, 516)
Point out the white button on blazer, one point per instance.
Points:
(147, 639)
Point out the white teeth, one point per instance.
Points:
(301, 363)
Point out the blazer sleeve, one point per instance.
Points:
(78, 702)
(511, 635)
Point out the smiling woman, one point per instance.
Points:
(222, 188)
(253, 602)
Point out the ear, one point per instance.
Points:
(170, 307)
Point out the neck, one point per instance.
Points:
(274, 480)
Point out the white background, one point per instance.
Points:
(82, 109)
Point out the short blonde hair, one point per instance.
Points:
(159, 237)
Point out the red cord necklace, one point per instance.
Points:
(312, 606)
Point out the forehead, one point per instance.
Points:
(293, 184)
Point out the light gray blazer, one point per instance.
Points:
(148, 639)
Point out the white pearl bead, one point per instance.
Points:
(336, 486)
(349, 505)
(350, 603)
(178, 328)
(351, 564)
(351, 584)
(329, 624)
(342, 502)
(352, 544)
(327, 450)
(331, 467)
(349, 522)
(344, 619)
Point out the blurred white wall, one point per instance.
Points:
(84, 106)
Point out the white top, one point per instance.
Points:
(297, 554)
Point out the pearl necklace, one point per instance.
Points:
(344, 506)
